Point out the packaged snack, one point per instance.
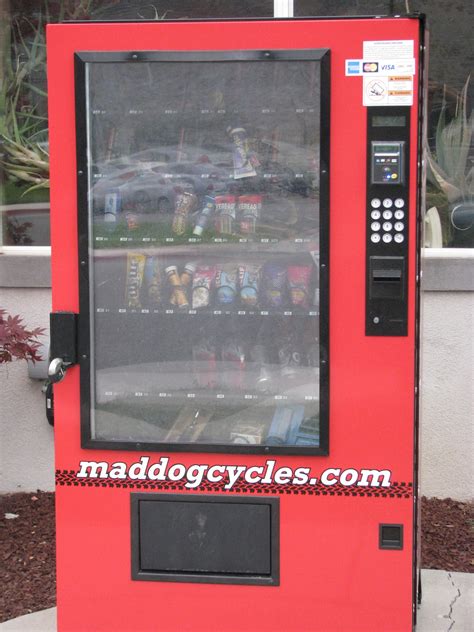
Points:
(249, 210)
(243, 167)
(274, 285)
(206, 212)
(113, 205)
(135, 272)
(299, 278)
(225, 213)
(202, 283)
(132, 221)
(205, 364)
(187, 275)
(178, 294)
(249, 277)
(184, 204)
(226, 284)
(153, 281)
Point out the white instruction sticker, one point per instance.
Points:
(389, 49)
(391, 90)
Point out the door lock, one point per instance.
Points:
(57, 370)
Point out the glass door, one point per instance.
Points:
(203, 231)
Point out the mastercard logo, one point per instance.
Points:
(371, 67)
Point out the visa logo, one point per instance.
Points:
(388, 67)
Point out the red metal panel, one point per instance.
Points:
(333, 575)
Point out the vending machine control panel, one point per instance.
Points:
(387, 221)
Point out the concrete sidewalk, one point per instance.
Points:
(447, 606)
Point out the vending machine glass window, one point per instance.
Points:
(204, 249)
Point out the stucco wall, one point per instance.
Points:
(447, 406)
(26, 439)
(27, 460)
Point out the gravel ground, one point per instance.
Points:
(27, 552)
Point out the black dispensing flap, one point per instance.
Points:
(386, 277)
(63, 326)
(205, 539)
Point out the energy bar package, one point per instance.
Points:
(178, 293)
(153, 282)
(274, 285)
(250, 208)
(226, 284)
(135, 272)
(225, 213)
(249, 278)
(202, 284)
(299, 279)
(243, 167)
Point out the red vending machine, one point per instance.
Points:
(235, 227)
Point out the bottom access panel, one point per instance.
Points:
(205, 538)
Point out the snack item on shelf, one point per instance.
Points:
(225, 213)
(112, 205)
(289, 357)
(233, 359)
(249, 277)
(299, 278)
(186, 276)
(205, 364)
(202, 283)
(243, 167)
(135, 272)
(205, 214)
(249, 210)
(246, 434)
(226, 284)
(184, 204)
(132, 220)
(274, 285)
(178, 294)
(153, 281)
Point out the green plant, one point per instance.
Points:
(23, 129)
(449, 168)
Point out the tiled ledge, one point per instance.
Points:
(448, 270)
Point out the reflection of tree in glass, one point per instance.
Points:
(18, 232)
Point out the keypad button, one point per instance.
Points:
(387, 226)
(387, 238)
(375, 226)
(387, 214)
(399, 203)
(375, 215)
(375, 238)
(375, 203)
(399, 238)
(399, 226)
(387, 203)
(399, 214)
